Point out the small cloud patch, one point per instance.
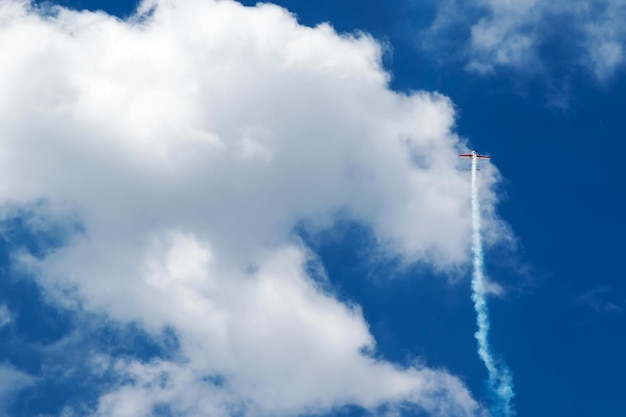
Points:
(601, 299)
(5, 315)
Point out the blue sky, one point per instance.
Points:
(211, 210)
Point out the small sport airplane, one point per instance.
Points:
(474, 154)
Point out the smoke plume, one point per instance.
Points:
(500, 381)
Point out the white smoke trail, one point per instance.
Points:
(500, 381)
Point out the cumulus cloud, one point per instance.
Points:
(183, 146)
(523, 35)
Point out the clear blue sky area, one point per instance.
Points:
(553, 128)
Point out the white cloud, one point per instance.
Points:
(190, 141)
(511, 34)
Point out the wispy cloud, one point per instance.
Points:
(528, 35)
(601, 299)
(11, 382)
(5, 315)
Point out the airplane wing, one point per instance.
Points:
(471, 155)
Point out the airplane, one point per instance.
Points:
(474, 154)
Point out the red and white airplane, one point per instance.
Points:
(474, 154)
